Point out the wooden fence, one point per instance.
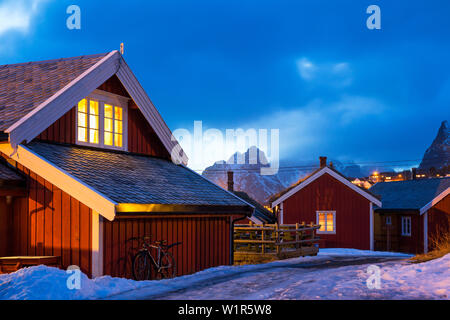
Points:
(257, 243)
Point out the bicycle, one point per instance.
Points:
(164, 265)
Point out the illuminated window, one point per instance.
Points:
(100, 121)
(327, 221)
(88, 128)
(113, 126)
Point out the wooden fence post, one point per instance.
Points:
(296, 235)
(263, 246)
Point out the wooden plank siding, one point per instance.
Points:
(6, 216)
(50, 222)
(328, 194)
(438, 220)
(205, 241)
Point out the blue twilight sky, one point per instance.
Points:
(309, 68)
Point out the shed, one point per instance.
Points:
(413, 213)
(326, 197)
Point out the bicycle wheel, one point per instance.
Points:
(168, 266)
(142, 266)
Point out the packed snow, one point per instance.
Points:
(333, 274)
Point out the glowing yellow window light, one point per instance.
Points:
(82, 134)
(322, 221)
(93, 122)
(82, 120)
(330, 222)
(118, 113)
(118, 140)
(108, 111)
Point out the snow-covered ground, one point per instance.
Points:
(333, 274)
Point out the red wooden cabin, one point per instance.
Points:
(86, 163)
(326, 197)
(414, 213)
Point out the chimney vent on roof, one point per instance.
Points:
(230, 181)
(323, 161)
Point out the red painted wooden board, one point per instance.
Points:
(328, 194)
(49, 221)
(199, 250)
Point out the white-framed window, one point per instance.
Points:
(327, 221)
(406, 226)
(388, 220)
(102, 121)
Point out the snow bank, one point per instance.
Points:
(332, 252)
(43, 282)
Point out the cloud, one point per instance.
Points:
(305, 128)
(334, 74)
(16, 15)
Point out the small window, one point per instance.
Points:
(406, 226)
(327, 221)
(388, 220)
(101, 121)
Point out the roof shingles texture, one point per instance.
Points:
(26, 85)
(8, 174)
(410, 194)
(129, 178)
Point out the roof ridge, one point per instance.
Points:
(52, 60)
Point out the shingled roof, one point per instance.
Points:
(8, 174)
(25, 86)
(260, 212)
(131, 178)
(410, 194)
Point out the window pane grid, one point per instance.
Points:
(326, 221)
(90, 129)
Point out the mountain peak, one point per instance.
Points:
(438, 154)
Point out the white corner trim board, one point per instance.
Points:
(97, 244)
(338, 177)
(62, 179)
(433, 202)
(41, 117)
(425, 232)
(372, 238)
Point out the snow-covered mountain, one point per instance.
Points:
(248, 178)
(438, 154)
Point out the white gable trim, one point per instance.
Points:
(62, 179)
(152, 115)
(31, 125)
(433, 202)
(338, 177)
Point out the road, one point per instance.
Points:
(325, 278)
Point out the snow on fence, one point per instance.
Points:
(257, 243)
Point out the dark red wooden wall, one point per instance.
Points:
(327, 193)
(63, 130)
(50, 222)
(438, 220)
(205, 241)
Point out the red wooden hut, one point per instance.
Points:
(326, 197)
(414, 213)
(87, 163)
